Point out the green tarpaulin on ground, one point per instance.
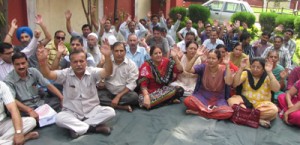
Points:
(169, 125)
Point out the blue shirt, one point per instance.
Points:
(139, 57)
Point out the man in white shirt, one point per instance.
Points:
(15, 130)
(86, 28)
(81, 111)
(119, 87)
(154, 21)
(213, 41)
(93, 48)
(181, 34)
(168, 24)
(189, 37)
(107, 30)
(130, 27)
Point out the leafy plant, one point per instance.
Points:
(198, 12)
(177, 10)
(244, 17)
(286, 20)
(297, 26)
(267, 21)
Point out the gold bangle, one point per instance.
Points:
(9, 35)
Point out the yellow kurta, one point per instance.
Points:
(259, 96)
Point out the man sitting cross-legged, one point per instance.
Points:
(23, 83)
(119, 92)
(81, 111)
(15, 130)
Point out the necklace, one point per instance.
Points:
(214, 73)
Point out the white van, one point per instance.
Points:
(222, 10)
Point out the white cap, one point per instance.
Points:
(93, 34)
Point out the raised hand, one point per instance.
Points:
(14, 23)
(136, 20)
(102, 21)
(279, 28)
(179, 52)
(216, 23)
(174, 53)
(149, 14)
(42, 53)
(200, 24)
(237, 24)
(161, 14)
(179, 16)
(245, 26)
(38, 19)
(68, 14)
(128, 18)
(62, 48)
(37, 34)
(244, 63)
(226, 58)
(226, 23)
(268, 66)
(201, 50)
(105, 48)
(94, 9)
(283, 74)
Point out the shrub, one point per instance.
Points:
(198, 12)
(253, 31)
(177, 10)
(267, 21)
(286, 20)
(244, 17)
(297, 26)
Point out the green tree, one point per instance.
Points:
(87, 8)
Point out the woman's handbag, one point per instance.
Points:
(244, 116)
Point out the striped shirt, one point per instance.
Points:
(284, 56)
(5, 98)
(52, 51)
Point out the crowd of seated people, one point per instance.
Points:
(138, 64)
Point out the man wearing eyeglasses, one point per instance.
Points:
(6, 52)
(52, 46)
(25, 37)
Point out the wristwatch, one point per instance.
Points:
(18, 131)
